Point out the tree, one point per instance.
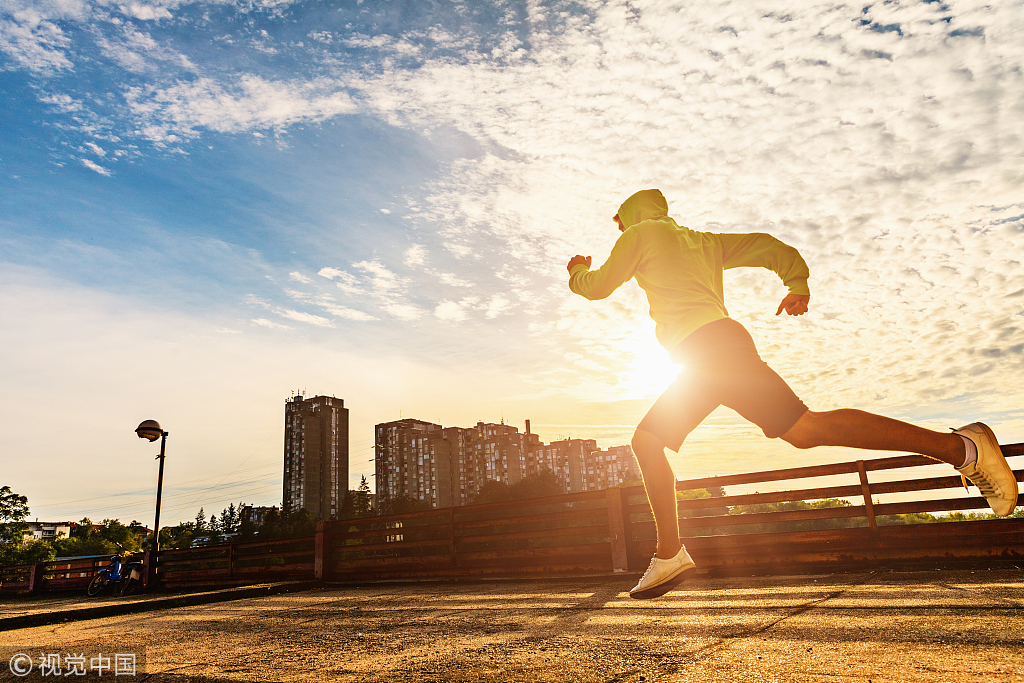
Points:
(229, 519)
(29, 553)
(83, 529)
(348, 505)
(291, 525)
(362, 498)
(535, 486)
(178, 536)
(112, 537)
(13, 511)
(200, 522)
(246, 529)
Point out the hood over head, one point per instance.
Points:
(643, 205)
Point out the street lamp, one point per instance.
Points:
(150, 429)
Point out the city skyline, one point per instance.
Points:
(206, 206)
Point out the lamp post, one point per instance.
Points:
(150, 429)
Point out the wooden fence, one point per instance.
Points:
(613, 530)
(58, 575)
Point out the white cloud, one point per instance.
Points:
(415, 256)
(385, 287)
(96, 149)
(146, 12)
(302, 317)
(251, 102)
(92, 165)
(346, 282)
(62, 103)
(327, 303)
(290, 314)
(382, 279)
(453, 280)
(348, 313)
(263, 322)
(498, 305)
(331, 273)
(34, 43)
(450, 310)
(403, 311)
(296, 276)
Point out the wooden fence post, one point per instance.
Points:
(617, 530)
(149, 560)
(35, 579)
(231, 560)
(322, 551)
(865, 490)
(451, 535)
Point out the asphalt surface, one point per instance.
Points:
(18, 612)
(882, 628)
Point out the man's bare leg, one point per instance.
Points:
(660, 482)
(846, 427)
(859, 429)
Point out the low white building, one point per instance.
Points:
(47, 531)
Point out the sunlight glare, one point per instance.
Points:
(650, 371)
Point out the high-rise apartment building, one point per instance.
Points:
(412, 460)
(447, 466)
(315, 455)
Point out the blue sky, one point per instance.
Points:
(206, 206)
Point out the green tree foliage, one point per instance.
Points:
(246, 529)
(229, 519)
(291, 525)
(536, 486)
(29, 553)
(200, 523)
(102, 541)
(13, 528)
(178, 536)
(347, 510)
(13, 511)
(403, 504)
(362, 498)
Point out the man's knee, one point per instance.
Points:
(646, 444)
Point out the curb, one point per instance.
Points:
(187, 600)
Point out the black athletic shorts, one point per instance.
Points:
(722, 367)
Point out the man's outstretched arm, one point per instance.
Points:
(620, 266)
(764, 251)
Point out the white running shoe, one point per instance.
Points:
(664, 575)
(990, 472)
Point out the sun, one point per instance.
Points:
(650, 372)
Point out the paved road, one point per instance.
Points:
(882, 628)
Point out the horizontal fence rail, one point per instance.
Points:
(796, 529)
(56, 575)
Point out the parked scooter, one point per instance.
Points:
(120, 577)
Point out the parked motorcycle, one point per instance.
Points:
(120, 577)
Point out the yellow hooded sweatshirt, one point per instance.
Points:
(681, 269)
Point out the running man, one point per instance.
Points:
(681, 271)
